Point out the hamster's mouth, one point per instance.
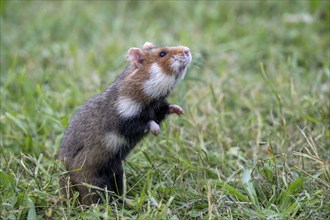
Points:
(182, 68)
(181, 62)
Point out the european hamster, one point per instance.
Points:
(104, 130)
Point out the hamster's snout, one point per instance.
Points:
(179, 61)
(187, 54)
(186, 51)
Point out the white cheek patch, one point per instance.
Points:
(114, 142)
(159, 83)
(128, 107)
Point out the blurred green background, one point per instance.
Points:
(258, 89)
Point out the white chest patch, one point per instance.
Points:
(114, 142)
(159, 83)
(128, 107)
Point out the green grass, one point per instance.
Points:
(255, 139)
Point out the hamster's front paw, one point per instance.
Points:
(154, 128)
(175, 109)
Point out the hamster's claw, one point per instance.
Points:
(175, 109)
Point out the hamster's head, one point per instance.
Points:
(159, 68)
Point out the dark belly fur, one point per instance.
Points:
(104, 169)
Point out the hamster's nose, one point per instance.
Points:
(186, 51)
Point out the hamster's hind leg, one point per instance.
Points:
(110, 180)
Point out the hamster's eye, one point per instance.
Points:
(162, 54)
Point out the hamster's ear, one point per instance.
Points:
(135, 55)
(148, 45)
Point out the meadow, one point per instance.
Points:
(254, 142)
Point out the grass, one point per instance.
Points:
(255, 139)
